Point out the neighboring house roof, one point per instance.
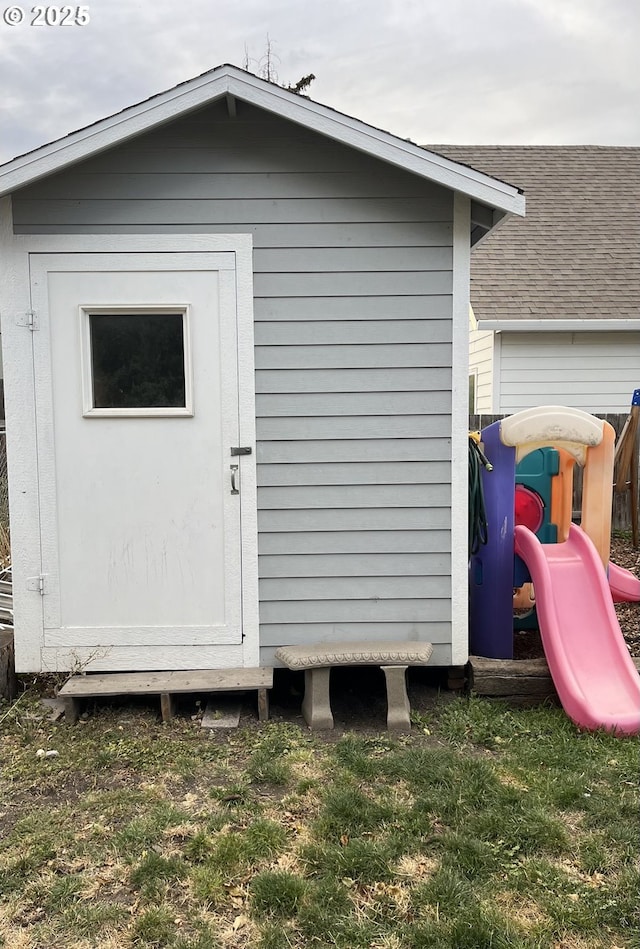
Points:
(231, 82)
(576, 255)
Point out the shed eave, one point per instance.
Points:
(559, 326)
(229, 80)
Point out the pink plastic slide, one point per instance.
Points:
(625, 588)
(594, 675)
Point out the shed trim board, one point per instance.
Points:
(227, 81)
(26, 447)
(460, 429)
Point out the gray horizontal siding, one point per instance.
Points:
(356, 519)
(225, 186)
(354, 496)
(343, 234)
(225, 211)
(357, 542)
(597, 372)
(368, 450)
(332, 333)
(332, 427)
(357, 284)
(297, 634)
(352, 284)
(373, 609)
(435, 355)
(384, 472)
(353, 380)
(349, 259)
(368, 308)
(354, 565)
(358, 403)
(351, 588)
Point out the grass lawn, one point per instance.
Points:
(483, 828)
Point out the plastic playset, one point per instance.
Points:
(538, 562)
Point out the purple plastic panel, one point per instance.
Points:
(491, 569)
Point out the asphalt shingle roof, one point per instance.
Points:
(576, 254)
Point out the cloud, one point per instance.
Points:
(498, 71)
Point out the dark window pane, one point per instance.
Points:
(137, 360)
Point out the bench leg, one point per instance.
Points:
(263, 705)
(398, 708)
(316, 705)
(167, 706)
(71, 710)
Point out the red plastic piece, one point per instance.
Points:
(529, 508)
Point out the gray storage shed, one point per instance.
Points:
(235, 335)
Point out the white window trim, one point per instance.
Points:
(89, 410)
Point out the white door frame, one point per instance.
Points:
(20, 399)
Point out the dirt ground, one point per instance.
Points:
(625, 555)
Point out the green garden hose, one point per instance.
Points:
(478, 530)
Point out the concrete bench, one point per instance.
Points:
(166, 685)
(317, 660)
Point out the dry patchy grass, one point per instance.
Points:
(141, 835)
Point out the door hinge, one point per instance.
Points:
(240, 451)
(29, 319)
(37, 584)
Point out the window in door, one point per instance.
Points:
(136, 361)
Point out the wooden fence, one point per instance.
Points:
(621, 513)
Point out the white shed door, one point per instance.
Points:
(136, 375)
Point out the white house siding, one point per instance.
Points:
(481, 361)
(353, 307)
(596, 372)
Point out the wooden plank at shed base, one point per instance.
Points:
(167, 685)
(8, 681)
(521, 682)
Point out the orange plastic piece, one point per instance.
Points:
(597, 492)
(562, 495)
(524, 597)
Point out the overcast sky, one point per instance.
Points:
(435, 71)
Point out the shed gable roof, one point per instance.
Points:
(234, 83)
(576, 256)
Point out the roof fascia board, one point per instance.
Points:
(111, 131)
(198, 92)
(381, 144)
(559, 326)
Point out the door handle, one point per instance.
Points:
(234, 479)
